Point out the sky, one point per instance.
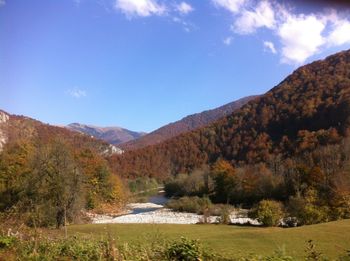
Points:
(140, 64)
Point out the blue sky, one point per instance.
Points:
(140, 64)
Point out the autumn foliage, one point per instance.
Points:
(307, 110)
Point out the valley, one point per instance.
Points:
(182, 130)
(278, 160)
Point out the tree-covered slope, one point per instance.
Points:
(186, 124)
(310, 108)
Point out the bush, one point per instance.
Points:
(6, 241)
(190, 204)
(71, 248)
(311, 253)
(173, 188)
(307, 212)
(152, 248)
(268, 212)
(184, 250)
(224, 217)
(143, 185)
(197, 183)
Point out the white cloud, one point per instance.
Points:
(77, 93)
(270, 46)
(184, 8)
(188, 27)
(234, 6)
(228, 40)
(132, 8)
(301, 37)
(2, 2)
(340, 33)
(262, 16)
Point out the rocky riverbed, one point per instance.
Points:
(154, 212)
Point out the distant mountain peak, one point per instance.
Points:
(113, 135)
(18, 127)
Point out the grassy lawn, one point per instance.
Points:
(332, 238)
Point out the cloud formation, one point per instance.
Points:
(233, 6)
(299, 35)
(184, 8)
(270, 46)
(250, 20)
(77, 93)
(228, 40)
(143, 8)
(340, 33)
(2, 3)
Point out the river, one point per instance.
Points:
(154, 212)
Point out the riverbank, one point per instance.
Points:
(151, 213)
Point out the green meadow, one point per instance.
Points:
(332, 239)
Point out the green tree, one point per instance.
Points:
(14, 166)
(54, 190)
(268, 212)
(224, 180)
(306, 209)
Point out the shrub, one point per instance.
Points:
(190, 204)
(184, 250)
(268, 212)
(71, 248)
(311, 253)
(143, 184)
(197, 183)
(6, 241)
(173, 188)
(306, 211)
(224, 217)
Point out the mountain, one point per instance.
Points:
(307, 110)
(15, 128)
(112, 135)
(186, 124)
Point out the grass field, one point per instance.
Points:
(332, 239)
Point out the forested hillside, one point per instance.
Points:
(17, 128)
(307, 110)
(48, 175)
(186, 124)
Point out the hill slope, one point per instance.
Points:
(16, 128)
(112, 135)
(310, 108)
(186, 124)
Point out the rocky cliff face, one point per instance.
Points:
(4, 117)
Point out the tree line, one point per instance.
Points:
(50, 183)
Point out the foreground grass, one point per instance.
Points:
(332, 239)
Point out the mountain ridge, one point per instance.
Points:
(113, 135)
(186, 124)
(308, 109)
(14, 128)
